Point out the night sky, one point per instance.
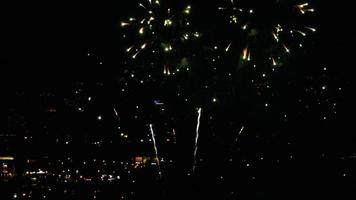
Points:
(257, 108)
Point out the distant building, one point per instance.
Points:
(144, 161)
(7, 168)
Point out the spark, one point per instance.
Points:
(196, 139)
(274, 63)
(141, 5)
(311, 29)
(129, 49)
(142, 30)
(174, 134)
(301, 33)
(168, 48)
(239, 134)
(116, 114)
(276, 31)
(233, 19)
(168, 22)
(150, 20)
(156, 150)
(302, 5)
(143, 46)
(196, 34)
(135, 55)
(303, 8)
(228, 47)
(275, 36)
(187, 9)
(286, 48)
(166, 70)
(124, 24)
(278, 28)
(245, 53)
(143, 21)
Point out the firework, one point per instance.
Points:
(116, 114)
(160, 38)
(266, 30)
(196, 139)
(156, 150)
(239, 134)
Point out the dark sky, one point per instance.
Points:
(45, 43)
(52, 36)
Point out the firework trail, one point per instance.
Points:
(156, 150)
(239, 134)
(233, 145)
(196, 140)
(174, 135)
(117, 117)
(116, 114)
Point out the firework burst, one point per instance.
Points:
(266, 30)
(160, 38)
